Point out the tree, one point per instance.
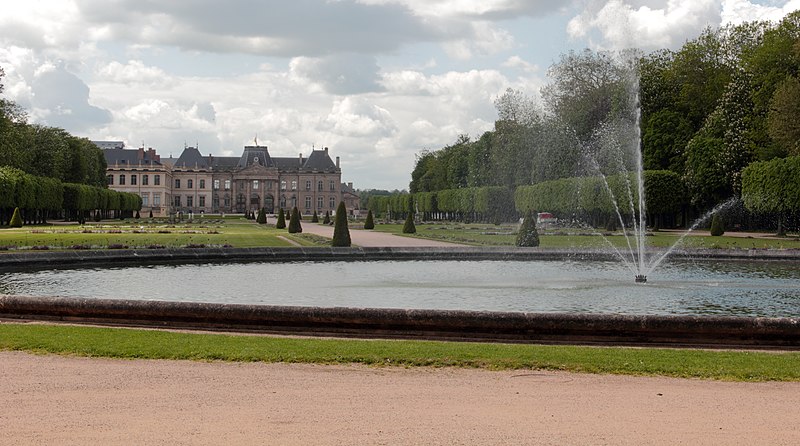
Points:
(528, 236)
(408, 227)
(327, 219)
(783, 120)
(16, 219)
(315, 218)
(281, 224)
(294, 222)
(262, 216)
(341, 233)
(717, 226)
(369, 223)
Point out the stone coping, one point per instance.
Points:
(679, 331)
(80, 258)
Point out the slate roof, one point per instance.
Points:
(191, 159)
(319, 160)
(255, 155)
(127, 158)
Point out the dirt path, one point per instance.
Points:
(65, 400)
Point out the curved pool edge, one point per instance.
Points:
(78, 258)
(450, 325)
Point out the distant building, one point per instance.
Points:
(193, 183)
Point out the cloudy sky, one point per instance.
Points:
(377, 81)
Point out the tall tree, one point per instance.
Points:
(784, 116)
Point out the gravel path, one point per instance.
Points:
(365, 238)
(69, 400)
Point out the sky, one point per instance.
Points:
(376, 81)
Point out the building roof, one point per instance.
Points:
(129, 157)
(191, 159)
(255, 155)
(319, 160)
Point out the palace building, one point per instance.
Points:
(193, 183)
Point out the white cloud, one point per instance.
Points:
(736, 12)
(134, 71)
(358, 117)
(644, 24)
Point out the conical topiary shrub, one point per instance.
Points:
(262, 217)
(717, 225)
(315, 218)
(294, 222)
(327, 219)
(341, 233)
(16, 219)
(369, 223)
(408, 227)
(151, 213)
(528, 235)
(281, 224)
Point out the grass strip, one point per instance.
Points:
(155, 344)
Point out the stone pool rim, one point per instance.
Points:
(119, 257)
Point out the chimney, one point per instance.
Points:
(326, 150)
(301, 158)
(141, 153)
(337, 162)
(350, 185)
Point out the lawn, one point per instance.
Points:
(505, 235)
(144, 233)
(156, 344)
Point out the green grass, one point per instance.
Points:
(505, 235)
(237, 232)
(152, 344)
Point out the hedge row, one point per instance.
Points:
(773, 188)
(39, 197)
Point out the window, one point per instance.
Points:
(122, 180)
(227, 184)
(283, 184)
(227, 201)
(319, 185)
(177, 201)
(156, 200)
(216, 184)
(283, 201)
(189, 184)
(255, 184)
(333, 202)
(145, 199)
(294, 201)
(189, 201)
(133, 180)
(294, 184)
(333, 185)
(110, 180)
(308, 184)
(202, 184)
(201, 201)
(308, 202)
(215, 201)
(145, 180)
(320, 202)
(268, 185)
(157, 180)
(177, 183)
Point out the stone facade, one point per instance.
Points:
(193, 183)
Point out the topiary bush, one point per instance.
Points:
(16, 219)
(315, 218)
(151, 213)
(262, 217)
(341, 233)
(717, 225)
(408, 226)
(294, 222)
(281, 224)
(327, 219)
(528, 235)
(369, 223)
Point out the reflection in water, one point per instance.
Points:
(690, 287)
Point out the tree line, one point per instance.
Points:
(724, 100)
(40, 198)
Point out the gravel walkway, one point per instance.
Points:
(76, 401)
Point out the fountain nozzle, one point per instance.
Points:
(640, 278)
